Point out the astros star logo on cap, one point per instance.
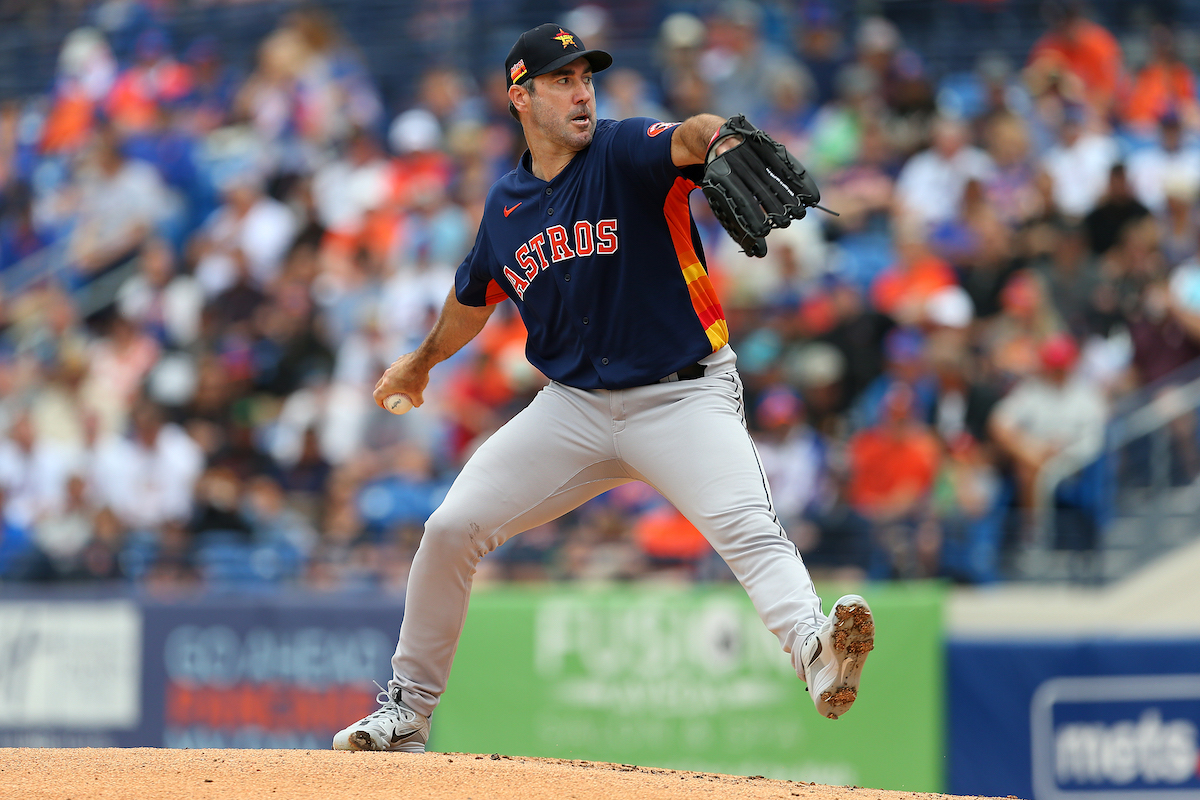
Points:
(564, 37)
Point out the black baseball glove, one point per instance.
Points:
(755, 186)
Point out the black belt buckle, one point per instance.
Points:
(691, 372)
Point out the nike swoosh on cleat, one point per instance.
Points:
(817, 654)
(396, 739)
(508, 210)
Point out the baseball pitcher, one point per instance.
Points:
(591, 236)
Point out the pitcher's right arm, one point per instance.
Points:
(409, 374)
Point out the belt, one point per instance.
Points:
(688, 373)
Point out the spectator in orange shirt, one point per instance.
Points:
(900, 291)
(892, 464)
(1082, 48)
(668, 540)
(891, 469)
(69, 122)
(416, 137)
(1164, 87)
(155, 79)
(86, 71)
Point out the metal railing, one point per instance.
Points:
(52, 265)
(1151, 491)
(34, 268)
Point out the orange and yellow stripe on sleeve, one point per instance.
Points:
(704, 297)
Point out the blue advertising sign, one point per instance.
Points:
(1096, 738)
(1081, 720)
(246, 674)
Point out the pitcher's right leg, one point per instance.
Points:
(552, 457)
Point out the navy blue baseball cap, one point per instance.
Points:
(546, 48)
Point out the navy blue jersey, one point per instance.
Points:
(604, 262)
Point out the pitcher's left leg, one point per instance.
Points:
(689, 440)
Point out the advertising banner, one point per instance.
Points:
(227, 671)
(249, 674)
(70, 673)
(1082, 720)
(688, 678)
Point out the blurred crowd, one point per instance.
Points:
(205, 270)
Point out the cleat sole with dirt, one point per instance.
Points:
(853, 639)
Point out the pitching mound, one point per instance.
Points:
(150, 773)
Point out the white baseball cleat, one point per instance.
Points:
(394, 726)
(833, 655)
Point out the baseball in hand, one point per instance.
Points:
(397, 403)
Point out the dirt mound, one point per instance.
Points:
(81, 774)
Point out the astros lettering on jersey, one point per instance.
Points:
(604, 262)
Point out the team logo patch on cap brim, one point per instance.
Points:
(518, 71)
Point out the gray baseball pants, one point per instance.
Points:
(687, 439)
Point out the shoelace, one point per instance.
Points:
(384, 699)
(386, 703)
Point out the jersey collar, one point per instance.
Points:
(525, 166)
